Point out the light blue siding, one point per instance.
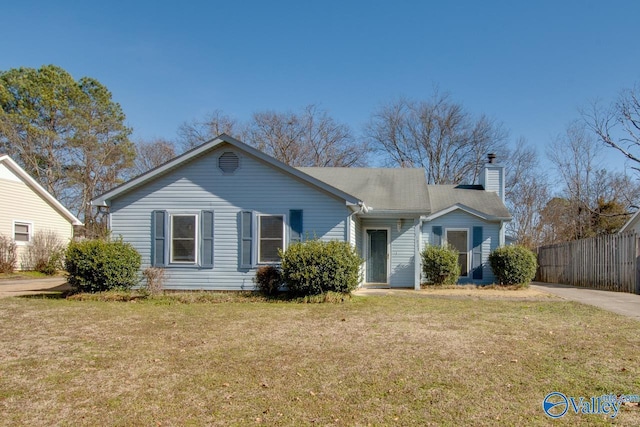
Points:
(462, 220)
(402, 250)
(492, 179)
(201, 185)
(357, 234)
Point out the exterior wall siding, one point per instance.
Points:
(201, 185)
(402, 250)
(461, 219)
(352, 230)
(18, 202)
(492, 179)
(358, 234)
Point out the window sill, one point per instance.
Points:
(264, 264)
(186, 267)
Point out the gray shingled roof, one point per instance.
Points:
(381, 189)
(405, 189)
(442, 197)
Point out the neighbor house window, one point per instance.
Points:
(270, 237)
(22, 231)
(184, 238)
(459, 239)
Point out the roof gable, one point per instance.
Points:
(472, 199)
(631, 223)
(208, 147)
(24, 177)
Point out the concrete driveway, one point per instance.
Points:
(616, 302)
(18, 287)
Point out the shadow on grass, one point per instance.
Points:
(57, 292)
(47, 295)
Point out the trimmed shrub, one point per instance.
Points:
(99, 265)
(8, 254)
(45, 253)
(440, 265)
(315, 266)
(268, 280)
(513, 265)
(154, 278)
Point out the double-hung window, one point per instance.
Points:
(184, 236)
(182, 239)
(262, 235)
(22, 232)
(270, 237)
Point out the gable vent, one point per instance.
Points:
(228, 162)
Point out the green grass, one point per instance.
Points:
(392, 360)
(28, 275)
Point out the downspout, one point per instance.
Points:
(418, 259)
(362, 208)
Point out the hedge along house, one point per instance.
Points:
(213, 215)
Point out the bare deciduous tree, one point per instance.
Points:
(308, 138)
(100, 150)
(618, 126)
(151, 154)
(594, 199)
(527, 193)
(437, 135)
(196, 132)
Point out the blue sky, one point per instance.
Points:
(530, 65)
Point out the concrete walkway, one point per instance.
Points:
(18, 287)
(617, 302)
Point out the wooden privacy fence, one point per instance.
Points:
(605, 262)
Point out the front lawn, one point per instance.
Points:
(374, 360)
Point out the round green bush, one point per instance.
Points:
(315, 266)
(440, 265)
(99, 265)
(513, 265)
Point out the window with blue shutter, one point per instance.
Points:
(206, 239)
(246, 239)
(270, 237)
(477, 253)
(183, 241)
(295, 224)
(158, 230)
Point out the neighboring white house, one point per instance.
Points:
(26, 208)
(633, 224)
(213, 215)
